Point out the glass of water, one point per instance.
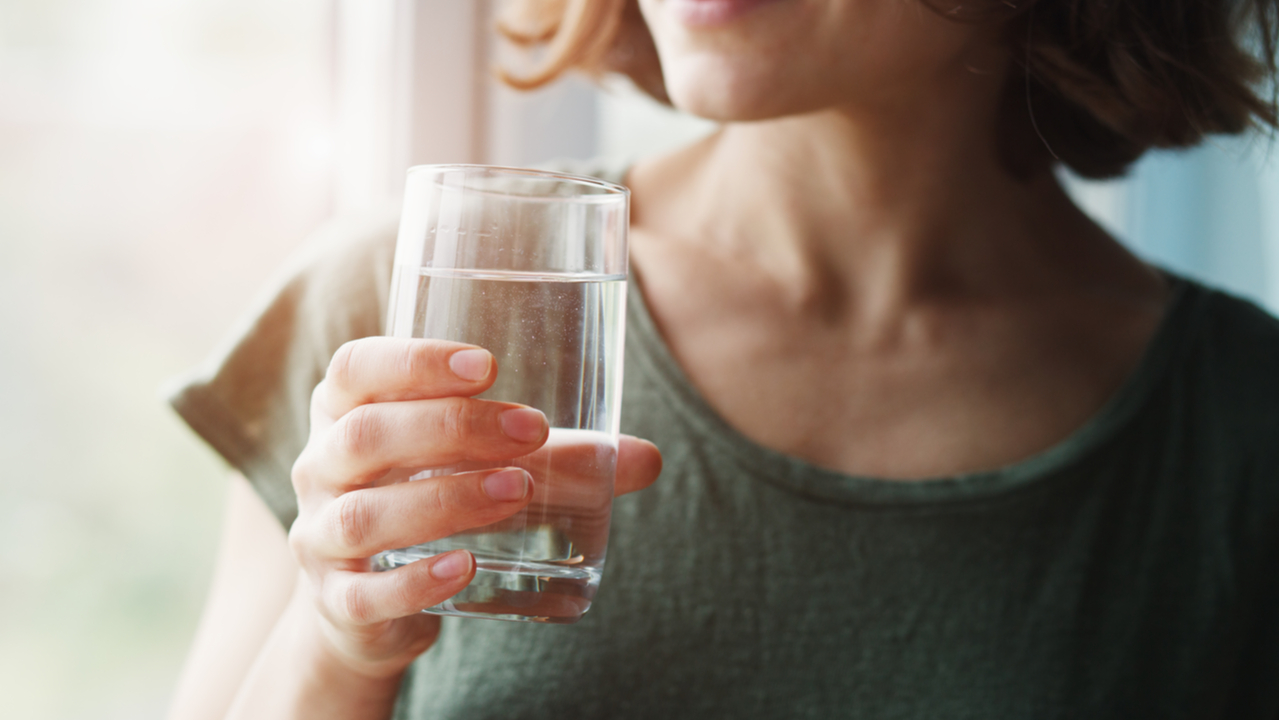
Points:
(531, 266)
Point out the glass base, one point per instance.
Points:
(517, 591)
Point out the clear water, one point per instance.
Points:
(558, 343)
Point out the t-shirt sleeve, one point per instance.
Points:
(250, 400)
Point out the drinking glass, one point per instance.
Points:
(531, 266)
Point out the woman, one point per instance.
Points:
(935, 444)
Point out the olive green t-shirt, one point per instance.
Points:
(1128, 572)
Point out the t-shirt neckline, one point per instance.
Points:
(806, 478)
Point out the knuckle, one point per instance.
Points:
(353, 521)
(354, 603)
(414, 360)
(318, 395)
(359, 432)
(436, 501)
(301, 540)
(404, 594)
(454, 422)
(302, 470)
(297, 540)
(342, 364)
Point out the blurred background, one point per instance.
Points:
(160, 158)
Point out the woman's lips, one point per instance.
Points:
(706, 13)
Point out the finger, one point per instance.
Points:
(372, 439)
(364, 522)
(384, 369)
(366, 598)
(639, 463)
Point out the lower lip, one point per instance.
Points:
(709, 13)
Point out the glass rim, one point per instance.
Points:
(613, 191)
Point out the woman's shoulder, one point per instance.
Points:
(249, 399)
(1241, 328)
(1228, 371)
(1236, 347)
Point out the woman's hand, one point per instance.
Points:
(390, 403)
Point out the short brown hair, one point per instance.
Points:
(1101, 81)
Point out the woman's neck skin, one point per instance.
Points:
(869, 288)
(864, 214)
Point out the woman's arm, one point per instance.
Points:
(298, 675)
(254, 577)
(256, 653)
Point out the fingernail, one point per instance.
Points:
(471, 365)
(453, 565)
(523, 424)
(507, 485)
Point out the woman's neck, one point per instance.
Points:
(871, 212)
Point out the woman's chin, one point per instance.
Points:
(729, 96)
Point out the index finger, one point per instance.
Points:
(386, 369)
